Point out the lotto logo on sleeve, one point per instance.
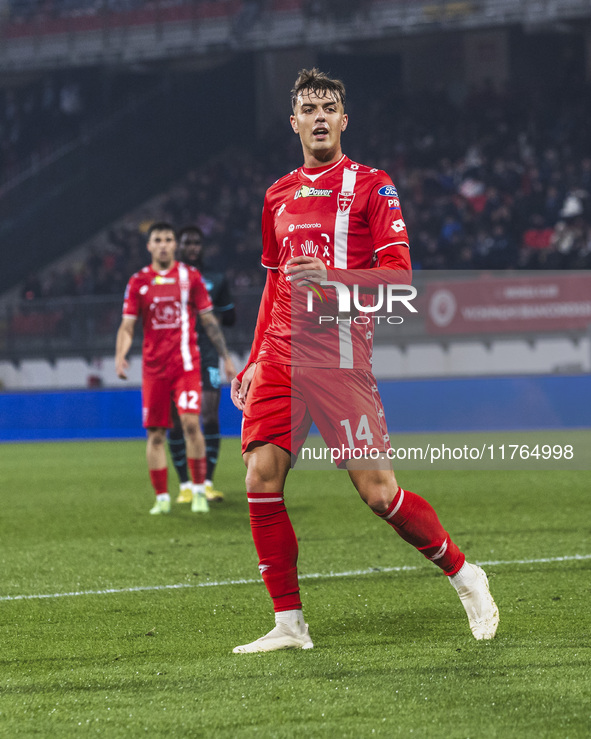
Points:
(388, 191)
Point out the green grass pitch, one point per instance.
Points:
(393, 654)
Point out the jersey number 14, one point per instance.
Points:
(362, 434)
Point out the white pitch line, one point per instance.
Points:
(310, 576)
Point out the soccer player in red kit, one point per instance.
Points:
(169, 295)
(328, 221)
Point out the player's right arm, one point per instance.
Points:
(131, 309)
(241, 382)
(270, 260)
(123, 345)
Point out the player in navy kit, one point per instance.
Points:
(191, 252)
(320, 222)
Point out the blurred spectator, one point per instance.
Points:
(31, 288)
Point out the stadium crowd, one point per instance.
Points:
(25, 10)
(37, 118)
(502, 181)
(41, 116)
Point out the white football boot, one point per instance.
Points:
(471, 584)
(199, 504)
(162, 505)
(290, 632)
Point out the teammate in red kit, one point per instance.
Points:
(338, 221)
(168, 295)
(191, 252)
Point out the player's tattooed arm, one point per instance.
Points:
(212, 328)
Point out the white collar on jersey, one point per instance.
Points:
(314, 177)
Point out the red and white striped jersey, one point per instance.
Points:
(346, 214)
(168, 303)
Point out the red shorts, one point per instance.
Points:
(283, 402)
(157, 392)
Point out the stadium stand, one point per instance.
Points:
(476, 194)
(41, 118)
(491, 176)
(495, 186)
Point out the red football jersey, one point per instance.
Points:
(168, 303)
(345, 214)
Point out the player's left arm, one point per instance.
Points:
(390, 242)
(224, 305)
(204, 306)
(388, 228)
(213, 330)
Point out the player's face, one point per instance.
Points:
(191, 245)
(319, 122)
(162, 246)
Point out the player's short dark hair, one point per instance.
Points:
(190, 230)
(160, 226)
(319, 83)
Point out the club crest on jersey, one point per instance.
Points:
(311, 192)
(345, 201)
(165, 313)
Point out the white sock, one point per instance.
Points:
(209, 483)
(163, 496)
(199, 489)
(293, 619)
(464, 577)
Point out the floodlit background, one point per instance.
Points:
(114, 113)
(117, 113)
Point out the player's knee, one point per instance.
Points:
(255, 478)
(156, 436)
(259, 475)
(191, 426)
(377, 489)
(379, 499)
(379, 494)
